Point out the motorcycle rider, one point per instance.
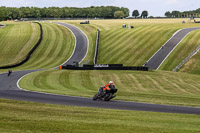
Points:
(107, 87)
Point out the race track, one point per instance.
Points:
(9, 89)
(81, 47)
(159, 57)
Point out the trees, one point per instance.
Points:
(106, 12)
(2, 14)
(168, 14)
(144, 14)
(119, 14)
(125, 11)
(65, 12)
(135, 13)
(175, 14)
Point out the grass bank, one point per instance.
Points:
(17, 39)
(131, 47)
(56, 47)
(150, 87)
(193, 65)
(17, 116)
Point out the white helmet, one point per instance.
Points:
(111, 82)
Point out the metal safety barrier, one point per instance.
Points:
(186, 59)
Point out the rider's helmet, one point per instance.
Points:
(111, 82)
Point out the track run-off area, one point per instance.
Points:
(9, 85)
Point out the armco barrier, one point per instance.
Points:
(29, 54)
(97, 47)
(186, 59)
(105, 67)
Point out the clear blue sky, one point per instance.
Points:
(155, 7)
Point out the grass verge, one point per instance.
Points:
(193, 65)
(17, 116)
(150, 87)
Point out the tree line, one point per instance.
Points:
(178, 14)
(65, 12)
(173, 14)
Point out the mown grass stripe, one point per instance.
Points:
(15, 36)
(43, 52)
(124, 53)
(120, 37)
(56, 47)
(114, 46)
(136, 82)
(176, 88)
(153, 87)
(29, 45)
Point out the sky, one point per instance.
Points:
(154, 7)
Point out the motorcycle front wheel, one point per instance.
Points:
(95, 97)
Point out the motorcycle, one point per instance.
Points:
(107, 96)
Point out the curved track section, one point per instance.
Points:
(10, 90)
(81, 44)
(88, 102)
(159, 57)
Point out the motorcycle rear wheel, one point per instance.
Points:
(107, 97)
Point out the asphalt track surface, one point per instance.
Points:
(81, 48)
(9, 90)
(159, 57)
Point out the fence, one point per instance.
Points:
(186, 59)
(97, 47)
(105, 67)
(32, 19)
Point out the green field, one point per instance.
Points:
(17, 39)
(56, 47)
(131, 47)
(150, 87)
(118, 46)
(17, 117)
